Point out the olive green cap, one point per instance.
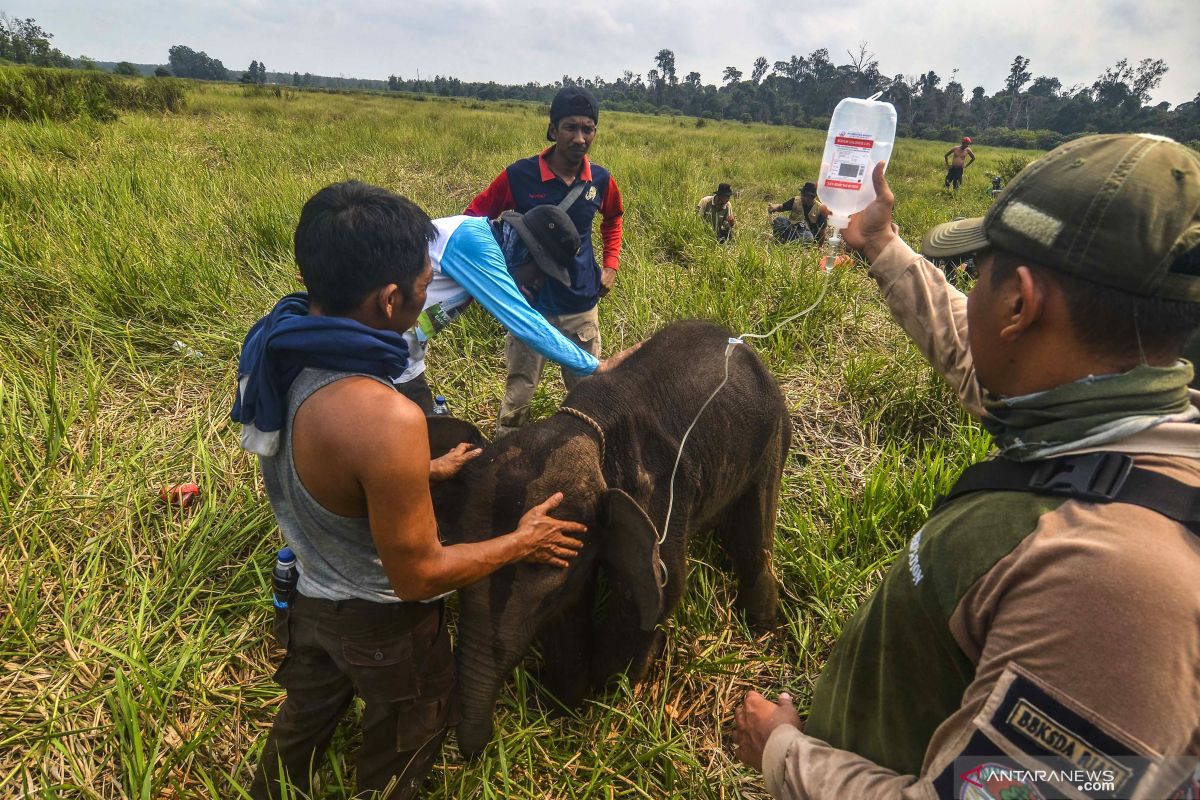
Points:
(1114, 209)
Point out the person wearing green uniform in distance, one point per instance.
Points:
(717, 211)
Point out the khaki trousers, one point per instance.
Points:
(525, 366)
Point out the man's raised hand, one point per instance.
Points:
(871, 229)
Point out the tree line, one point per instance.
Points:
(1028, 111)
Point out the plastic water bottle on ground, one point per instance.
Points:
(184, 350)
(283, 578)
(440, 408)
(861, 134)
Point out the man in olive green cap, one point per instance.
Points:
(1047, 615)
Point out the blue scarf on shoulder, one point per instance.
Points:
(280, 345)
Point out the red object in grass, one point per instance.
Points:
(180, 494)
(840, 260)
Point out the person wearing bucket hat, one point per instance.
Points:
(560, 175)
(717, 211)
(550, 237)
(954, 170)
(502, 264)
(806, 219)
(1046, 614)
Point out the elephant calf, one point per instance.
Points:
(612, 457)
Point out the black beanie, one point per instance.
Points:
(574, 101)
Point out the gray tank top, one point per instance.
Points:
(336, 555)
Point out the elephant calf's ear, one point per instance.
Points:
(447, 432)
(630, 552)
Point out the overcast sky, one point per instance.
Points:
(514, 41)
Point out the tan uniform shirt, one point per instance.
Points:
(1098, 608)
(721, 219)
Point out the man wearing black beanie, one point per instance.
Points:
(560, 175)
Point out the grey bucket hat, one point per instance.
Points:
(551, 238)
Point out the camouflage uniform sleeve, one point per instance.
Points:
(799, 767)
(1061, 631)
(933, 314)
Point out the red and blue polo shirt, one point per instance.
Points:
(530, 182)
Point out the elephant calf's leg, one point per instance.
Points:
(565, 646)
(746, 532)
(623, 648)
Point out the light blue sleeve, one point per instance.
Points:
(473, 259)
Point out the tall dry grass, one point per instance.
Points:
(134, 637)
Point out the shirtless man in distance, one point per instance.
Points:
(954, 173)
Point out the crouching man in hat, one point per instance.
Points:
(806, 219)
(1045, 620)
(561, 175)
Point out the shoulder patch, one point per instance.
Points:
(1030, 742)
(1027, 717)
(1031, 717)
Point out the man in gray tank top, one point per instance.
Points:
(346, 465)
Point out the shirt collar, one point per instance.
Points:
(548, 174)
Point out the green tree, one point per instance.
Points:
(1148, 76)
(759, 70)
(666, 66)
(125, 68)
(1018, 76)
(23, 41)
(254, 74)
(162, 72)
(731, 75)
(187, 63)
(930, 100)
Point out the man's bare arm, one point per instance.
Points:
(392, 458)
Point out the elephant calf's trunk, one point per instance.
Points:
(478, 687)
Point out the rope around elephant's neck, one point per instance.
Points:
(733, 342)
(575, 412)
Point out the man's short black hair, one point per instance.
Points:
(353, 238)
(1111, 322)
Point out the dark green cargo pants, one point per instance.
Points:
(396, 657)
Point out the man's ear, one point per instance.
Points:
(383, 302)
(629, 552)
(1025, 299)
(550, 132)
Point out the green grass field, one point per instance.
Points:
(135, 637)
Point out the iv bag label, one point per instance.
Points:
(849, 163)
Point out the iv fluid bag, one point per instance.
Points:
(861, 134)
